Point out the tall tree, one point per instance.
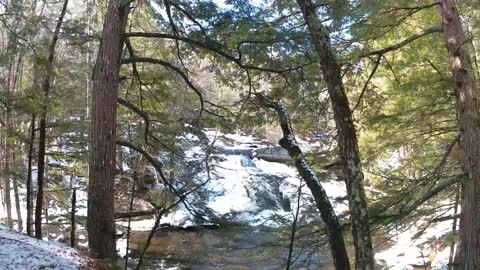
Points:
(29, 176)
(43, 123)
(101, 219)
(346, 136)
(468, 111)
(7, 151)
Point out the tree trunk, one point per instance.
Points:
(40, 174)
(43, 124)
(288, 142)
(7, 186)
(346, 137)
(17, 202)
(7, 148)
(469, 121)
(101, 219)
(15, 87)
(29, 177)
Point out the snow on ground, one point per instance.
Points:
(19, 251)
(409, 250)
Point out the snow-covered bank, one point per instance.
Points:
(426, 250)
(18, 251)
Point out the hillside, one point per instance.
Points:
(23, 252)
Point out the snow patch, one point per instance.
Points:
(23, 252)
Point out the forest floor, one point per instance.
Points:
(20, 251)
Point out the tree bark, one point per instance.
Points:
(346, 137)
(17, 200)
(288, 142)
(29, 177)
(7, 150)
(15, 87)
(469, 120)
(43, 124)
(101, 218)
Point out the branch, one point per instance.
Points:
(404, 42)
(449, 149)
(135, 214)
(188, 14)
(427, 196)
(147, 121)
(168, 65)
(138, 111)
(159, 167)
(212, 46)
(411, 10)
(155, 163)
(377, 63)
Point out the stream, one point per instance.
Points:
(252, 187)
(233, 247)
(253, 193)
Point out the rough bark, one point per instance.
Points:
(469, 120)
(288, 142)
(43, 124)
(40, 174)
(101, 219)
(346, 137)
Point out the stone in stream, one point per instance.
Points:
(272, 154)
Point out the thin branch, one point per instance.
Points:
(214, 47)
(404, 42)
(377, 63)
(171, 67)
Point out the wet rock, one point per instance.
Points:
(237, 151)
(272, 154)
(247, 162)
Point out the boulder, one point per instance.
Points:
(272, 154)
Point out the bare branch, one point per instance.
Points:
(377, 63)
(404, 42)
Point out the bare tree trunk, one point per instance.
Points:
(334, 230)
(294, 227)
(72, 214)
(13, 146)
(101, 219)
(43, 124)
(17, 205)
(7, 186)
(7, 149)
(454, 228)
(129, 223)
(469, 120)
(29, 177)
(346, 137)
